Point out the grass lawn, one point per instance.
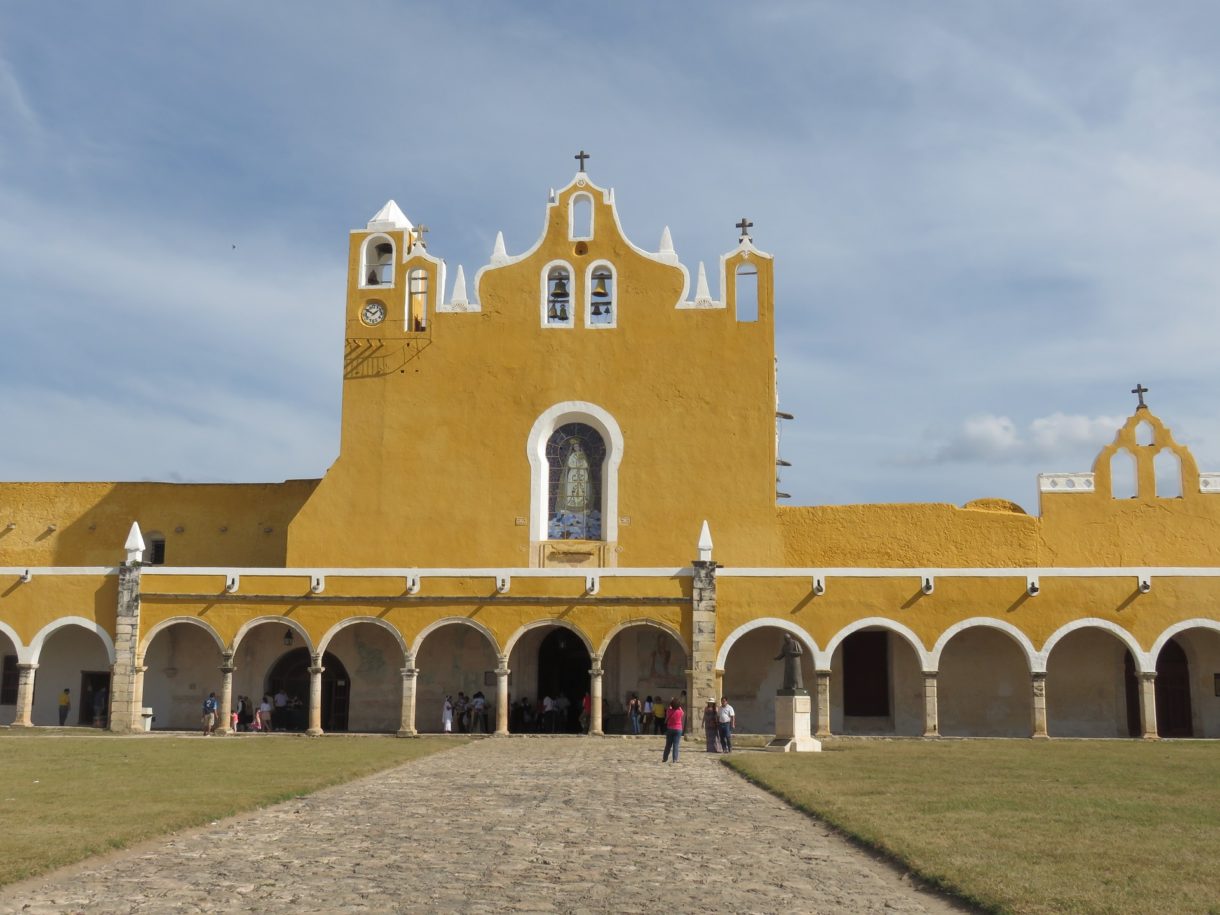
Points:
(1024, 826)
(64, 798)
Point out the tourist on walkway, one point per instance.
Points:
(659, 716)
(633, 713)
(264, 714)
(673, 729)
(646, 719)
(447, 716)
(65, 706)
(726, 720)
(711, 727)
(279, 717)
(586, 705)
(210, 706)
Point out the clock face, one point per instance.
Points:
(373, 313)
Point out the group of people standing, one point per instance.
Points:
(273, 713)
(471, 715)
(655, 716)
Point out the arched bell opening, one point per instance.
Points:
(752, 677)
(457, 661)
(876, 685)
(643, 659)
(182, 666)
(983, 686)
(1091, 687)
(74, 658)
(549, 663)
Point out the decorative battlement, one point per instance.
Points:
(1066, 482)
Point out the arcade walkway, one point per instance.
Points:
(502, 825)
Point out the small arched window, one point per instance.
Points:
(575, 455)
(746, 294)
(557, 304)
(154, 548)
(377, 267)
(417, 284)
(580, 217)
(1122, 475)
(602, 305)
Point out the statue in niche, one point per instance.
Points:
(574, 487)
(790, 653)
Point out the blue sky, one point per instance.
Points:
(990, 220)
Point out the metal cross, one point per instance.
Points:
(419, 234)
(582, 155)
(1139, 390)
(744, 225)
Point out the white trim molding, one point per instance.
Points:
(276, 620)
(541, 624)
(983, 622)
(36, 643)
(1143, 662)
(154, 631)
(334, 630)
(418, 642)
(652, 624)
(1065, 482)
(876, 622)
(1209, 482)
(767, 622)
(1177, 629)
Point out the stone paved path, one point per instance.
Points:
(517, 825)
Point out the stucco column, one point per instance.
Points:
(502, 697)
(595, 697)
(25, 696)
(823, 704)
(1038, 683)
(410, 676)
(1148, 705)
(315, 698)
(225, 725)
(125, 696)
(137, 694)
(931, 718)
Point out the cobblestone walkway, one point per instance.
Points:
(517, 825)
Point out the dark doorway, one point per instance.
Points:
(866, 674)
(563, 670)
(94, 698)
(291, 673)
(1173, 717)
(1131, 685)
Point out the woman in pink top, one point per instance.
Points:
(673, 730)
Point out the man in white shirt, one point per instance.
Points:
(726, 720)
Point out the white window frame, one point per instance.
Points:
(546, 294)
(368, 245)
(588, 297)
(573, 411)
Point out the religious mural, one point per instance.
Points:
(575, 453)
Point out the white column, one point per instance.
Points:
(1038, 683)
(931, 718)
(1148, 705)
(25, 695)
(823, 704)
(410, 676)
(502, 697)
(225, 725)
(595, 697)
(315, 697)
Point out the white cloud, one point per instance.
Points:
(987, 438)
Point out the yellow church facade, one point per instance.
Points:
(563, 481)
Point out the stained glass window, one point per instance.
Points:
(575, 454)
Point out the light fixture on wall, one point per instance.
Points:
(287, 638)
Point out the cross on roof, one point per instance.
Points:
(581, 156)
(419, 234)
(1139, 390)
(745, 225)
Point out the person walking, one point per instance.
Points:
(646, 717)
(633, 713)
(711, 728)
(673, 730)
(659, 715)
(726, 720)
(447, 716)
(65, 706)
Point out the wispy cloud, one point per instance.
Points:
(987, 438)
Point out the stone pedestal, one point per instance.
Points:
(793, 717)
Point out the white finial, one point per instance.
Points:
(667, 242)
(610, 196)
(459, 288)
(703, 295)
(134, 545)
(705, 543)
(498, 254)
(550, 196)
(390, 217)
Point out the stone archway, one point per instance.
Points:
(1200, 646)
(72, 657)
(549, 660)
(642, 659)
(454, 658)
(372, 654)
(983, 685)
(752, 677)
(182, 665)
(10, 676)
(290, 673)
(876, 684)
(1087, 692)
